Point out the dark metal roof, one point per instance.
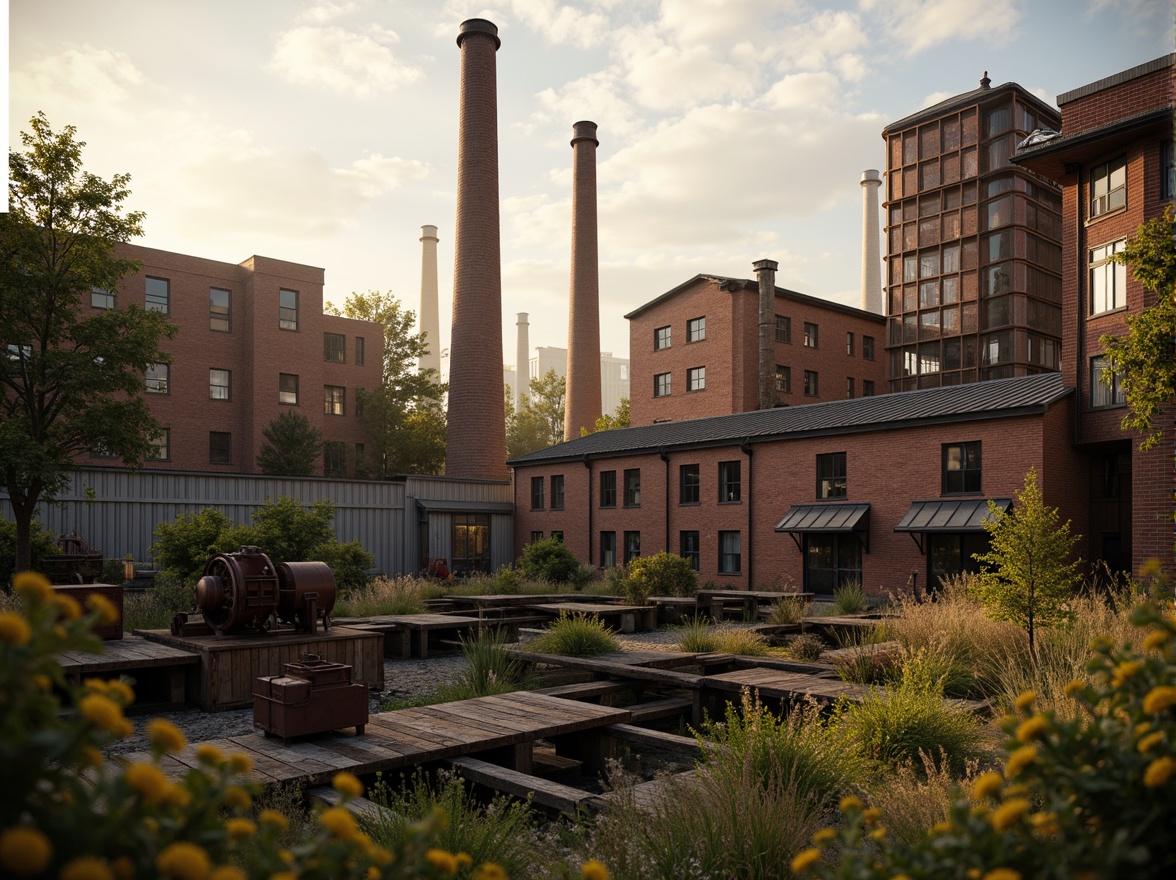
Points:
(981, 400)
(960, 515)
(973, 97)
(826, 518)
(1117, 79)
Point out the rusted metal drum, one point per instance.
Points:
(306, 594)
(239, 591)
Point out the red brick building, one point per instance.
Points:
(694, 351)
(253, 342)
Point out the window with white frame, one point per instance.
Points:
(696, 329)
(1105, 389)
(661, 338)
(661, 385)
(696, 379)
(220, 384)
(1108, 281)
(333, 397)
(1108, 187)
(156, 376)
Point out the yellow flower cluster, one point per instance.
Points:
(33, 587)
(1159, 772)
(1032, 729)
(24, 851)
(986, 785)
(804, 860)
(165, 736)
(1009, 813)
(1018, 760)
(594, 870)
(14, 629)
(105, 714)
(1159, 698)
(184, 861)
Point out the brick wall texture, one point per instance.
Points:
(583, 403)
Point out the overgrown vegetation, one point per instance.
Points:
(699, 636)
(42, 543)
(575, 635)
(807, 647)
(789, 610)
(551, 560)
(850, 598)
(662, 574)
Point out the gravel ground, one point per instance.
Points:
(402, 678)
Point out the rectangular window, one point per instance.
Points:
(158, 293)
(557, 534)
(1102, 394)
(831, 476)
(557, 492)
(783, 378)
(688, 548)
(696, 329)
(1167, 170)
(608, 488)
(536, 536)
(536, 493)
(661, 385)
(333, 400)
(783, 329)
(730, 480)
(156, 376)
(632, 546)
(1108, 187)
(633, 487)
(101, 298)
(334, 459)
(471, 543)
(661, 338)
(220, 447)
(359, 352)
(608, 549)
(811, 388)
(810, 335)
(867, 387)
(220, 384)
(961, 467)
(335, 348)
(219, 301)
(689, 484)
(696, 379)
(849, 344)
(288, 309)
(161, 446)
(730, 556)
(831, 561)
(849, 388)
(288, 389)
(868, 347)
(1108, 281)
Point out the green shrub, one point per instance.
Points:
(575, 635)
(549, 560)
(662, 574)
(867, 664)
(349, 563)
(385, 595)
(42, 543)
(789, 610)
(806, 647)
(730, 639)
(696, 636)
(849, 598)
(506, 581)
(489, 670)
(582, 577)
(184, 546)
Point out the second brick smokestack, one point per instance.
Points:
(475, 444)
(765, 271)
(583, 407)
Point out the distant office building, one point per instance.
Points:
(614, 373)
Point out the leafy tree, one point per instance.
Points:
(404, 415)
(1028, 574)
(1144, 361)
(549, 560)
(42, 544)
(71, 382)
(539, 423)
(662, 574)
(292, 446)
(619, 419)
(182, 548)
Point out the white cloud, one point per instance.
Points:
(662, 75)
(920, 24)
(804, 90)
(935, 98)
(360, 65)
(80, 75)
(818, 42)
(560, 23)
(324, 11)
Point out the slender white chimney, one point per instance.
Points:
(871, 249)
(427, 318)
(522, 361)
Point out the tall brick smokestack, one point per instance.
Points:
(522, 389)
(475, 445)
(871, 250)
(765, 272)
(583, 407)
(427, 318)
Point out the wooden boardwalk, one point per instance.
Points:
(140, 658)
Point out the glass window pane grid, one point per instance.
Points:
(334, 348)
(831, 477)
(333, 396)
(661, 338)
(288, 309)
(730, 480)
(220, 447)
(156, 377)
(696, 329)
(218, 309)
(608, 489)
(157, 293)
(288, 389)
(220, 384)
(633, 487)
(696, 379)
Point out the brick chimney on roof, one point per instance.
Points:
(583, 405)
(765, 272)
(427, 318)
(475, 444)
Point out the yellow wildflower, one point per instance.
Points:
(1008, 813)
(594, 870)
(42, 681)
(1156, 640)
(123, 867)
(120, 689)
(1019, 759)
(96, 685)
(207, 753)
(275, 818)
(228, 872)
(240, 829)
(240, 763)
(86, 868)
(1044, 824)
(14, 629)
(346, 783)
(1032, 729)
(24, 851)
(1159, 771)
(871, 815)
(465, 860)
(1159, 698)
(184, 861)
(238, 798)
(148, 781)
(986, 785)
(103, 607)
(178, 796)
(1002, 874)
(283, 875)
(67, 606)
(165, 736)
(490, 871)
(1150, 741)
(443, 860)
(804, 860)
(33, 587)
(102, 712)
(1124, 671)
(824, 836)
(850, 803)
(941, 827)
(1024, 702)
(88, 756)
(339, 822)
(878, 833)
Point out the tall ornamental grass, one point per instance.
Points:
(575, 635)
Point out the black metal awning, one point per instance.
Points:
(943, 515)
(804, 519)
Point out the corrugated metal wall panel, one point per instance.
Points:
(501, 540)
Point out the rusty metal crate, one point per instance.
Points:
(312, 696)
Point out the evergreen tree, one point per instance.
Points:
(292, 446)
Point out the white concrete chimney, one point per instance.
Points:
(871, 247)
(522, 389)
(427, 318)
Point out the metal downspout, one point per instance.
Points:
(588, 465)
(665, 457)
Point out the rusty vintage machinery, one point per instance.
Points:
(77, 563)
(311, 696)
(243, 591)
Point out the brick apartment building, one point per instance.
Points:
(881, 488)
(694, 351)
(253, 343)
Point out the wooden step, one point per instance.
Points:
(646, 737)
(585, 690)
(655, 709)
(544, 792)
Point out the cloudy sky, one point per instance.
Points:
(324, 132)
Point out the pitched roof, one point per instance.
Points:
(965, 99)
(981, 400)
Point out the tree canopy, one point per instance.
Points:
(291, 448)
(1144, 360)
(539, 422)
(404, 415)
(619, 419)
(71, 379)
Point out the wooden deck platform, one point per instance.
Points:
(159, 671)
(410, 635)
(627, 618)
